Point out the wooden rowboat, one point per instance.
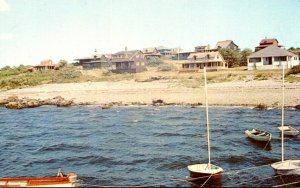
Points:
(259, 135)
(69, 180)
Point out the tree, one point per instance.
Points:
(232, 57)
(244, 54)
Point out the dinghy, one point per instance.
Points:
(284, 167)
(259, 135)
(61, 180)
(288, 130)
(205, 171)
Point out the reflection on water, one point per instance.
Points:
(143, 146)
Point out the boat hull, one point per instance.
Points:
(65, 181)
(205, 176)
(260, 138)
(288, 130)
(287, 167)
(202, 172)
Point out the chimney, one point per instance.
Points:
(126, 52)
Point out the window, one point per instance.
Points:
(280, 58)
(254, 60)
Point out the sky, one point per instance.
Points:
(34, 30)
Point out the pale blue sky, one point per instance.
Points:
(33, 30)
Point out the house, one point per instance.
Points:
(182, 55)
(204, 48)
(272, 57)
(97, 61)
(267, 42)
(164, 50)
(213, 61)
(128, 62)
(226, 44)
(45, 65)
(151, 52)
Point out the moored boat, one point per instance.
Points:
(259, 135)
(205, 171)
(69, 180)
(288, 130)
(285, 166)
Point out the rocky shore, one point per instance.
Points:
(259, 94)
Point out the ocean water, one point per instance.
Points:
(143, 146)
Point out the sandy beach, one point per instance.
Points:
(235, 93)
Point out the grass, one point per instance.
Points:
(19, 77)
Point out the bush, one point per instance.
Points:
(166, 67)
(294, 70)
(153, 61)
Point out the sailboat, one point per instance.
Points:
(206, 170)
(284, 167)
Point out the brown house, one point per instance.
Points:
(98, 61)
(128, 62)
(45, 65)
(226, 44)
(151, 52)
(267, 42)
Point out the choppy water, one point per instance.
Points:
(142, 145)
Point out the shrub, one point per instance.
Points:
(294, 70)
(166, 67)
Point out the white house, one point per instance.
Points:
(272, 57)
(213, 61)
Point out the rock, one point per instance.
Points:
(13, 105)
(64, 103)
(13, 98)
(157, 102)
(3, 102)
(297, 107)
(106, 106)
(261, 106)
(32, 103)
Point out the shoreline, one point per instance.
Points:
(164, 93)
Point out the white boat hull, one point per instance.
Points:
(288, 130)
(203, 171)
(287, 167)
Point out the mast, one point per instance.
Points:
(207, 122)
(282, 116)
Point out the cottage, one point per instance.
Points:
(128, 62)
(164, 51)
(97, 61)
(204, 48)
(226, 44)
(272, 57)
(45, 65)
(151, 52)
(213, 61)
(267, 42)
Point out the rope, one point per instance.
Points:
(267, 143)
(292, 183)
(190, 180)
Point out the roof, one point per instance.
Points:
(128, 52)
(149, 50)
(202, 55)
(224, 44)
(120, 60)
(44, 63)
(268, 41)
(271, 51)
